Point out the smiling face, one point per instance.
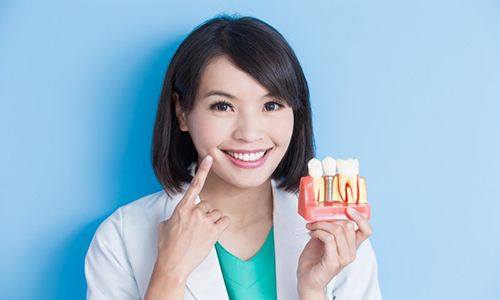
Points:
(234, 114)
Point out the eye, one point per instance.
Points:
(273, 104)
(220, 105)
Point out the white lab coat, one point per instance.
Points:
(121, 256)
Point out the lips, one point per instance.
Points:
(246, 158)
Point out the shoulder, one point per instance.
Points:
(121, 253)
(138, 215)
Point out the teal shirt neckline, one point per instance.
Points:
(254, 278)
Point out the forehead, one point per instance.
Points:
(221, 74)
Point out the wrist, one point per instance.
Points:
(165, 286)
(306, 293)
(167, 271)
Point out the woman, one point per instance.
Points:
(232, 138)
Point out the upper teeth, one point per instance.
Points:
(247, 156)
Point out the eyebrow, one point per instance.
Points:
(224, 94)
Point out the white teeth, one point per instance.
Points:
(246, 156)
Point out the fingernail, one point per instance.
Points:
(209, 158)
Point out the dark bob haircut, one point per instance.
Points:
(256, 48)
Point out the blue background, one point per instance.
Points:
(410, 89)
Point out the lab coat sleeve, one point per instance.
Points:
(359, 279)
(107, 268)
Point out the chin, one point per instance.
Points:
(243, 179)
(246, 183)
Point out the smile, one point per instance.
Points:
(247, 160)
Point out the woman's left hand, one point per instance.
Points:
(332, 246)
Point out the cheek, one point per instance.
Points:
(206, 132)
(282, 128)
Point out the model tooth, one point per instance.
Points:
(346, 167)
(348, 180)
(342, 178)
(340, 166)
(329, 166)
(362, 190)
(316, 172)
(356, 166)
(315, 168)
(330, 169)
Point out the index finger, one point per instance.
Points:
(198, 181)
(364, 228)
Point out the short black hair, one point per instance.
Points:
(256, 48)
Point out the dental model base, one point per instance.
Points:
(330, 188)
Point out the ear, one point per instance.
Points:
(181, 115)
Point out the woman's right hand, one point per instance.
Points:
(186, 238)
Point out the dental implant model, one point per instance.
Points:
(329, 168)
(331, 187)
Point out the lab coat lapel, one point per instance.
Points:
(206, 281)
(288, 243)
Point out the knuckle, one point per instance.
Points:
(195, 182)
(336, 264)
(346, 261)
(216, 213)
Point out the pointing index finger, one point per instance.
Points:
(198, 181)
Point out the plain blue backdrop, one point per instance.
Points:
(410, 88)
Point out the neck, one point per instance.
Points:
(243, 206)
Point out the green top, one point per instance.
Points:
(254, 278)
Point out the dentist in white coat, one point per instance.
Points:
(232, 137)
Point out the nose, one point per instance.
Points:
(249, 128)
